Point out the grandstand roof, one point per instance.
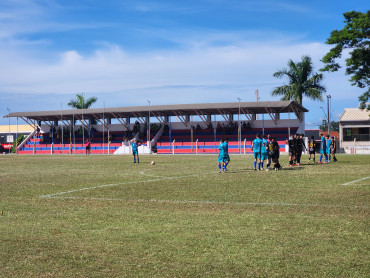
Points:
(259, 107)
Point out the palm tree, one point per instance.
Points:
(302, 82)
(81, 103)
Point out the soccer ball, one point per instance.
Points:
(152, 163)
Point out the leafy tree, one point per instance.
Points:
(17, 142)
(355, 36)
(302, 81)
(334, 126)
(81, 103)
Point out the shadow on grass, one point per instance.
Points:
(293, 168)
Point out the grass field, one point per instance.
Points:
(103, 216)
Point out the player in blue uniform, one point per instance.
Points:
(256, 147)
(264, 150)
(221, 155)
(322, 148)
(328, 148)
(134, 150)
(226, 153)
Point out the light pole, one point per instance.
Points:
(149, 141)
(328, 103)
(9, 127)
(326, 116)
(239, 130)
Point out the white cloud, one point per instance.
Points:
(228, 68)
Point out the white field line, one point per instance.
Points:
(152, 176)
(121, 183)
(208, 202)
(355, 181)
(158, 178)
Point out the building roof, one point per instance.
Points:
(15, 128)
(355, 114)
(260, 107)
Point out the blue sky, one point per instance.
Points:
(127, 51)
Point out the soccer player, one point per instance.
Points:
(311, 149)
(269, 149)
(328, 148)
(270, 153)
(134, 150)
(275, 153)
(256, 147)
(226, 153)
(221, 155)
(292, 145)
(322, 148)
(333, 148)
(300, 147)
(264, 150)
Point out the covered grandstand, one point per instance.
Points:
(182, 128)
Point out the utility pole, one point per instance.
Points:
(149, 140)
(328, 107)
(9, 129)
(239, 129)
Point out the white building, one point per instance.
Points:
(354, 130)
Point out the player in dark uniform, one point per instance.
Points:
(274, 153)
(269, 139)
(333, 148)
(292, 149)
(311, 149)
(300, 147)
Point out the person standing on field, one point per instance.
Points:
(256, 147)
(134, 150)
(311, 149)
(333, 148)
(88, 147)
(323, 148)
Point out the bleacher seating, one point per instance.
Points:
(208, 142)
(43, 143)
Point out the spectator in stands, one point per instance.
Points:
(37, 131)
(218, 128)
(198, 127)
(244, 126)
(88, 147)
(209, 126)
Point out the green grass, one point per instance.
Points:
(180, 218)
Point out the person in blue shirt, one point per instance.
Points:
(226, 153)
(256, 147)
(134, 150)
(221, 155)
(322, 148)
(264, 150)
(328, 149)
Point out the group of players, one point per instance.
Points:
(267, 148)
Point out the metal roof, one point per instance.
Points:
(355, 114)
(259, 107)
